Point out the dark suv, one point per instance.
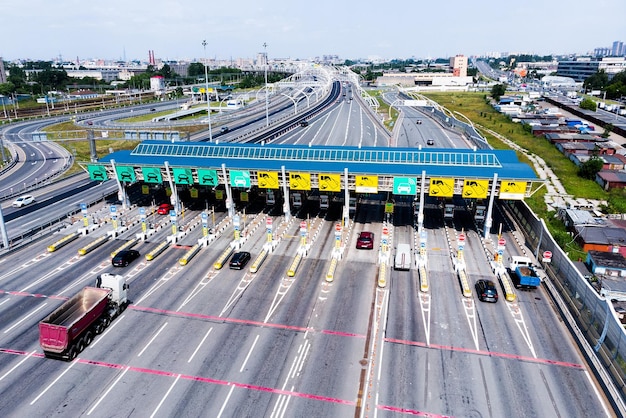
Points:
(124, 258)
(487, 291)
(239, 260)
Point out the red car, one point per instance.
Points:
(365, 241)
(164, 209)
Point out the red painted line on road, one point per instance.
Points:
(488, 353)
(242, 321)
(411, 412)
(201, 379)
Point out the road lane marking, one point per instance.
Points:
(152, 339)
(24, 318)
(249, 353)
(199, 345)
(165, 397)
(17, 365)
(230, 392)
(108, 390)
(72, 364)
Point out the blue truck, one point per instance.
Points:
(523, 273)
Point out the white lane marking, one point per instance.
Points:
(109, 328)
(24, 318)
(108, 390)
(249, 353)
(53, 383)
(152, 339)
(232, 388)
(199, 345)
(165, 397)
(17, 365)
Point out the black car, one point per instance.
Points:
(124, 258)
(487, 291)
(239, 260)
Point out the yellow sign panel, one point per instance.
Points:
(440, 187)
(193, 193)
(145, 189)
(300, 181)
(366, 184)
(514, 190)
(475, 189)
(219, 194)
(268, 180)
(329, 182)
(243, 196)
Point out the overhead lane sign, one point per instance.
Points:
(207, 177)
(512, 190)
(97, 172)
(475, 189)
(268, 180)
(125, 173)
(329, 182)
(151, 175)
(404, 186)
(183, 175)
(240, 178)
(299, 181)
(366, 184)
(441, 187)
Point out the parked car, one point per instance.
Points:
(239, 260)
(164, 208)
(486, 290)
(124, 258)
(365, 241)
(27, 199)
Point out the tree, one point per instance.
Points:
(195, 69)
(590, 168)
(7, 88)
(598, 81)
(587, 104)
(498, 91)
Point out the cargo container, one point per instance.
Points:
(73, 325)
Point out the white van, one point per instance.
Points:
(402, 260)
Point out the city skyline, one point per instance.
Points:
(123, 30)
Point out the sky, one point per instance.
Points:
(116, 29)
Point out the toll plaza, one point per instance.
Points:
(479, 176)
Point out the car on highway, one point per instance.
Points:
(486, 290)
(365, 241)
(224, 129)
(239, 260)
(124, 258)
(27, 199)
(304, 123)
(164, 208)
(430, 141)
(419, 121)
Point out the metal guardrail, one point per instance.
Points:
(590, 312)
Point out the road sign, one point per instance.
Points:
(303, 225)
(501, 242)
(384, 241)
(547, 256)
(268, 222)
(461, 237)
(385, 230)
(338, 227)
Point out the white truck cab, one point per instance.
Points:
(402, 260)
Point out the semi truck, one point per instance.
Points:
(523, 273)
(73, 325)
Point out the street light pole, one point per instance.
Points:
(208, 101)
(267, 115)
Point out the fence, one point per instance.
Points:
(592, 313)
